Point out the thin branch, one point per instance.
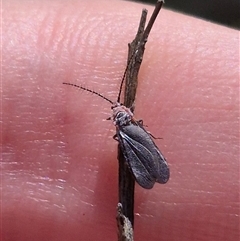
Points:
(125, 216)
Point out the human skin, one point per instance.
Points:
(59, 161)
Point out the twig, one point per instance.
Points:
(125, 231)
(126, 180)
(125, 216)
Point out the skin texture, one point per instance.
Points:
(59, 167)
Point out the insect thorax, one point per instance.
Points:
(121, 115)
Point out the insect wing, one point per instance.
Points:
(145, 160)
(161, 165)
(131, 150)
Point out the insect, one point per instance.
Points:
(143, 157)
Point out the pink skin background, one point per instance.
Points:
(59, 161)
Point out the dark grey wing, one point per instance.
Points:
(141, 148)
(163, 172)
(161, 165)
(140, 160)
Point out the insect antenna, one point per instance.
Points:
(91, 91)
(124, 76)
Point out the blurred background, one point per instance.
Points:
(224, 12)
